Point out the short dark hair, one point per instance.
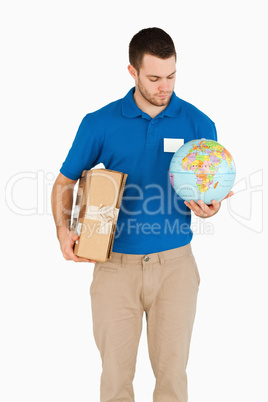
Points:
(153, 41)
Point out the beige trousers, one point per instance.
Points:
(164, 285)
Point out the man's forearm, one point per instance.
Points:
(62, 202)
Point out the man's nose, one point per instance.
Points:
(163, 85)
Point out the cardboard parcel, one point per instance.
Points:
(96, 212)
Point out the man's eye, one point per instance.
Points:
(153, 80)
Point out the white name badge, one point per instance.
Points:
(172, 144)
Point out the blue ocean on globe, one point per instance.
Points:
(202, 169)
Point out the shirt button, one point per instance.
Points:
(146, 258)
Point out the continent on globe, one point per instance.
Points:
(202, 169)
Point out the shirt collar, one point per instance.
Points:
(129, 107)
(131, 110)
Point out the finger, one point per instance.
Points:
(204, 207)
(188, 205)
(215, 205)
(205, 210)
(74, 236)
(69, 252)
(81, 259)
(195, 207)
(73, 257)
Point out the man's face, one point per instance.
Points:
(155, 79)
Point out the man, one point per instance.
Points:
(152, 268)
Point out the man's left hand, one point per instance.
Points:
(203, 210)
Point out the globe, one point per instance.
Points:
(202, 169)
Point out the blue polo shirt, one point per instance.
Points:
(152, 216)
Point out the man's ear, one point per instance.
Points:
(132, 71)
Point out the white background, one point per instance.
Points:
(63, 59)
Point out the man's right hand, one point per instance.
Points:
(67, 238)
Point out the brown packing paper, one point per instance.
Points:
(106, 215)
(96, 212)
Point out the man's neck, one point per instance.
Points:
(146, 106)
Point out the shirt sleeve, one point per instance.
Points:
(84, 152)
(213, 133)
